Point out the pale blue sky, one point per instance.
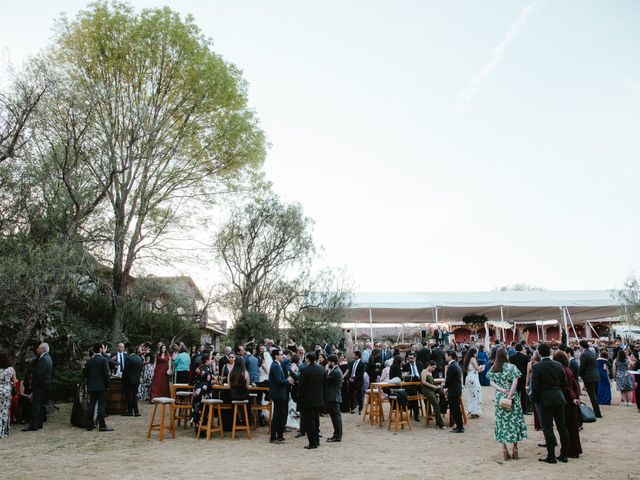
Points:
(418, 177)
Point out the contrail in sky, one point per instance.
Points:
(496, 56)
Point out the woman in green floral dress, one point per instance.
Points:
(510, 426)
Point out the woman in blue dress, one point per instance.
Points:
(482, 359)
(604, 387)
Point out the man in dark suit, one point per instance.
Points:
(590, 376)
(40, 383)
(385, 353)
(97, 374)
(453, 389)
(413, 369)
(356, 381)
(424, 354)
(311, 391)
(120, 357)
(573, 363)
(131, 382)
(437, 355)
(521, 361)
(278, 391)
(548, 381)
(333, 395)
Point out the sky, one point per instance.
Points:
(439, 146)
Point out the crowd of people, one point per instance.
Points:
(538, 380)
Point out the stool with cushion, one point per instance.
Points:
(240, 406)
(159, 427)
(209, 406)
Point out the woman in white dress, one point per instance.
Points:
(471, 368)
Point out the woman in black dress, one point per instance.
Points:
(344, 368)
(238, 390)
(203, 379)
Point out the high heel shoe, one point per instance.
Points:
(515, 453)
(505, 453)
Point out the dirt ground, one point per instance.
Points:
(60, 451)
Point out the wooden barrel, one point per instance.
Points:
(117, 402)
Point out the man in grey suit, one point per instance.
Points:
(590, 376)
(333, 395)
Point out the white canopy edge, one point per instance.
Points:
(521, 307)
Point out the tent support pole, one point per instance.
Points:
(571, 322)
(371, 325)
(504, 337)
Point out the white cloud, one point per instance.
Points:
(496, 56)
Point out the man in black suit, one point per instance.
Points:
(590, 376)
(413, 369)
(453, 389)
(333, 395)
(548, 381)
(40, 383)
(131, 382)
(97, 374)
(521, 361)
(356, 381)
(311, 391)
(278, 391)
(437, 355)
(424, 354)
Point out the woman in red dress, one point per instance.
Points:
(161, 366)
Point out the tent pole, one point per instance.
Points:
(355, 335)
(435, 309)
(504, 337)
(371, 325)
(571, 322)
(403, 333)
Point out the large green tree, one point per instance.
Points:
(170, 122)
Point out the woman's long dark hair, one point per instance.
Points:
(467, 359)
(622, 356)
(501, 358)
(237, 376)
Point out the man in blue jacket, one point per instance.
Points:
(278, 387)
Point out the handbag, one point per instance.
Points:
(79, 410)
(505, 403)
(586, 414)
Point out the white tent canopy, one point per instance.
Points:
(513, 306)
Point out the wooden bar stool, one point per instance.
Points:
(418, 398)
(398, 412)
(256, 409)
(428, 412)
(378, 413)
(243, 404)
(183, 406)
(464, 414)
(209, 406)
(159, 427)
(368, 405)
